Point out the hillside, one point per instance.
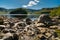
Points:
(3, 11)
(30, 11)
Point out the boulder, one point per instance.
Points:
(7, 36)
(28, 21)
(44, 18)
(2, 27)
(15, 37)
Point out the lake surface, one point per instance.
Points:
(32, 17)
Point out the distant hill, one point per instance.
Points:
(32, 10)
(3, 9)
(43, 10)
(46, 10)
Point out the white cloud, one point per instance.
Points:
(36, 0)
(31, 3)
(24, 6)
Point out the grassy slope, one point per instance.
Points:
(2, 12)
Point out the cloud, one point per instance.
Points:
(36, 0)
(24, 6)
(31, 3)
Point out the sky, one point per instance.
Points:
(31, 4)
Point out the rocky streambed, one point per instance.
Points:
(25, 29)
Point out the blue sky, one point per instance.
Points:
(32, 4)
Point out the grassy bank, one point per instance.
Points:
(58, 32)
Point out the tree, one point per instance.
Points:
(19, 13)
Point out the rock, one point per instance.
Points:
(54, 27)
(1, 39)
(43, 38)
(29, 30)
(5, 31)
(19, 25)
(55, 35)
(1, 21)
(40, 25)
(28, 21)
(7, 36)
(30, 33)
(40, 35)
(12, 31)
(15, 37)
(44, 18)
(42, 30)
(2, 27)
(48, 34)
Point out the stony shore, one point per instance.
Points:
(44, 28)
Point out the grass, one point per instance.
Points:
(3, 12)
(58, 32)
